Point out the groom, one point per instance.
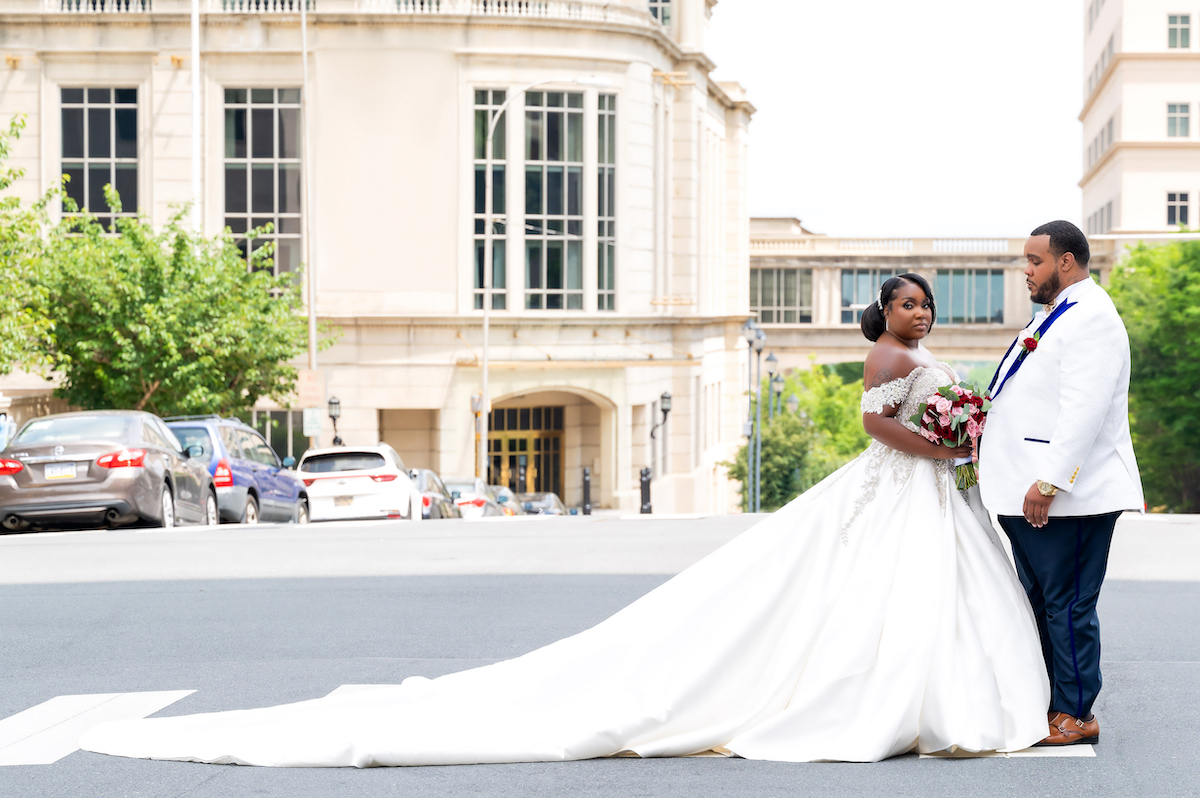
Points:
(1057, 464)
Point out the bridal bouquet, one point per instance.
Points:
(954, 416)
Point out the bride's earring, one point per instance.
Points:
(887, 324)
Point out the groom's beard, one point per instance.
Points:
(1045, 293)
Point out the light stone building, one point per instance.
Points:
(808, 291)
(620, 258)
(1141, 145)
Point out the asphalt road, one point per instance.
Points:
(277, 614)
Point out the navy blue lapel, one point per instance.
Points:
(1041, 331)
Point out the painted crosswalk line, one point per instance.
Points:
(44, 734)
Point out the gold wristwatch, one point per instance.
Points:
(1045, 488)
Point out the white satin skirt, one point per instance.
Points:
(874, 615)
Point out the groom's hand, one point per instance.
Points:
(1037, 507)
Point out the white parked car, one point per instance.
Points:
(358, 482)
(474, 497)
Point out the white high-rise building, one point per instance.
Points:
(1141, 135)
(621, 246)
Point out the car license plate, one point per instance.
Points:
(60, 471)
(343, 501)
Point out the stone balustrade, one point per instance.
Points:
(829, 245)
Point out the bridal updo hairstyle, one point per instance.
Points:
(873, 322)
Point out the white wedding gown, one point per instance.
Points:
(872, 616)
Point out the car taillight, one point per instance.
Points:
(10, 467)
(477, 502)
(508, 510)
(383, 477)
(425, 501)
(308, 481)
(223, 474)
(126, 458)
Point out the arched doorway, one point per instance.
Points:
(541, 440)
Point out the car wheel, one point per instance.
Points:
(168, 508)
(212, 516)
(302, 511)
(250, 515)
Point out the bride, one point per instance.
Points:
(874, 615)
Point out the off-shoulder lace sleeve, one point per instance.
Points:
(887, 395)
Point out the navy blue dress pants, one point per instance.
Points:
(1062, 566)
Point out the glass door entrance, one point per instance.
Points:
(525, 449)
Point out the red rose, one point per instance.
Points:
(1030, 344)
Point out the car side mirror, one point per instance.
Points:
(412, 474)
(502, 499)
(574, 511)
(193, 451)
(289, 461)
(528, 507)
(455, 494)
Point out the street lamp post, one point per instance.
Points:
(772, 364)
(749, 332)
(485, 399)
(777, 383)
(760, 341)
(335, 412)
(793, 404)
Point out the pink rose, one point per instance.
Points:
(958, 390)
(944, 420)
(927, 435)
(973, 428)
(943, 405)
(972, 410)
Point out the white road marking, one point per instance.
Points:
(44, 734)
(1064, 750)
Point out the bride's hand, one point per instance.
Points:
(945, 453)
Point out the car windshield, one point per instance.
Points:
(342, 461)
(70, 429)
(195, 436)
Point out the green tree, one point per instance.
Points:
(801, 449)
(169, 321)
(1157, 291)
(24, 327)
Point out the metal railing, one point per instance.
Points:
(587, 11)
(258, 6)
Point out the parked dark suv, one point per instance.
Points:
(252, 483)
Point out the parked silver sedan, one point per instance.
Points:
(101, 468)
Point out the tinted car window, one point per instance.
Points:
(254, 448)
(165, 433)
(350, 461)
(437, 484)
(153, 437)
(74, 428)
(195, 436)
(461, 487)
(229, 438)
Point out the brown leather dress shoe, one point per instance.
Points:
(1067, 730)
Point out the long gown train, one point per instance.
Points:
(872, 616)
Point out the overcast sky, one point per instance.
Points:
(928, 118)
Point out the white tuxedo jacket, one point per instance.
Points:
(1063, 417)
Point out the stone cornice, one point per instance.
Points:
(1120, 146)
(1119, 58)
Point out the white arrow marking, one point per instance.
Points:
(46, 733)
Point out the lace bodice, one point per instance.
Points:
(908, 392)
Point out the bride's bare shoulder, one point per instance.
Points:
(887, 363)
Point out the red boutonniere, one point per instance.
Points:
(1030, 344)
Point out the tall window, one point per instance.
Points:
(606, 260)
(661, 10)
(262, 170)
(1177, 119)
(1177, 209)
(781, 296)
(553, 200)
(969, 296)
(99, 147)
(1179, 29)
(487, 103)
(860, 287)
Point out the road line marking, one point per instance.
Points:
(44, 734)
